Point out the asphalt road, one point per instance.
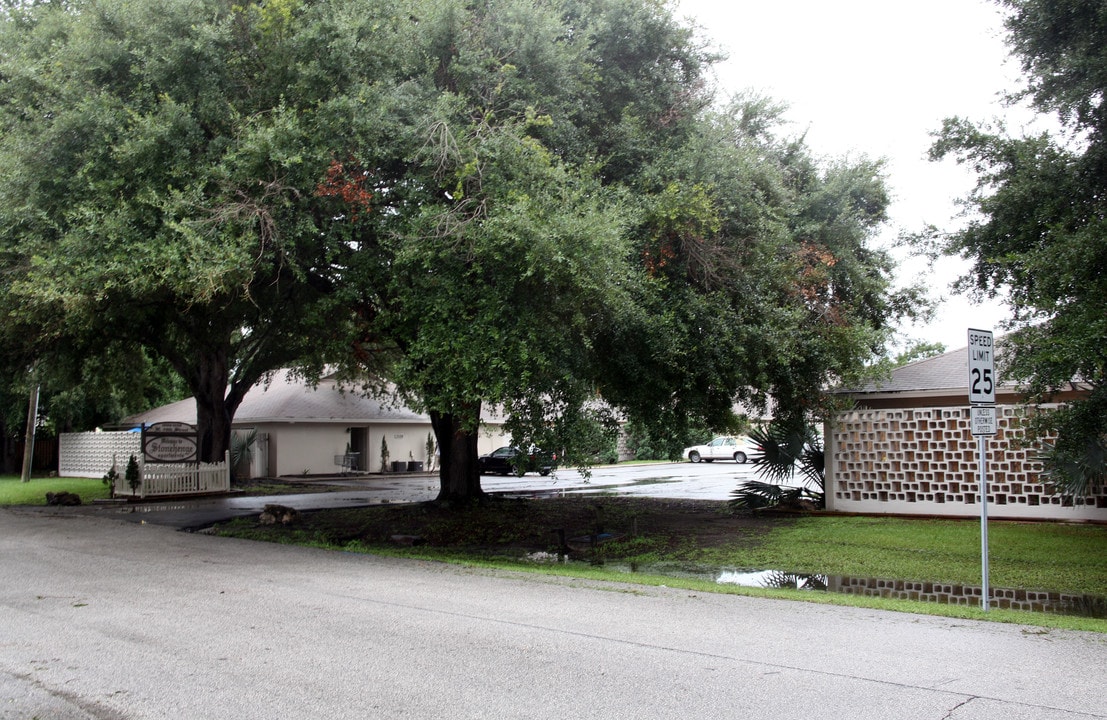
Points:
(107, 619)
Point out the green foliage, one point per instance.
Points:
(243, 447)
(1036, 235)
(785, 446)
(648, 442)
(918, 350)
(109, 479)
(159, 167)
(756, 495)
(132, 475)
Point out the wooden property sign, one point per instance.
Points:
(170, 443)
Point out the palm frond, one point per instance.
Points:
(1075, 472)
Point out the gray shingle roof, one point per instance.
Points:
(949, 371)
(289, 399)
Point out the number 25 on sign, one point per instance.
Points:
(982, 373)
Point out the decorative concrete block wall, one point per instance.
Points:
(925, 461)
(969, 595)
(89, 455)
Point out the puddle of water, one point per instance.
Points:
(1005, 598)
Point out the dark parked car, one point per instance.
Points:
(512, 461)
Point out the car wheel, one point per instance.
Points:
(543, 473)
(740, 457)
(694, 456)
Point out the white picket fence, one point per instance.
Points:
(180, 479)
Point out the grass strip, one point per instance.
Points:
(15, 492)
(1032, 556)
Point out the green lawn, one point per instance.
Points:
(15, 492)
(1030, 556)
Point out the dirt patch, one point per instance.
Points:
(627, 526)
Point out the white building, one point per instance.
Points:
(306, 430)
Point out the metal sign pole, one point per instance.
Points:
(982, 418)
(984, 591)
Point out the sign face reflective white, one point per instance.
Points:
(171, 449)
(983, 421)
(982, 371)
(170, 442)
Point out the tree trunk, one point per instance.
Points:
(213, 409)
(458, 473)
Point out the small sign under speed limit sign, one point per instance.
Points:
(983, 420)
(982, 369)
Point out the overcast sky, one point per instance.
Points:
(875, 78)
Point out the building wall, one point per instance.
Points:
(925, 461)
(294, 449)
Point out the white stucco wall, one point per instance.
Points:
(295, 449)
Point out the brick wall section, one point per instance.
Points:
(924, 461)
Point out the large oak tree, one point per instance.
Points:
(161, 168)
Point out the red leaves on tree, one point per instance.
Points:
(347, 184)
(656, 259)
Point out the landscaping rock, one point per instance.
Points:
(63, 498)
(273, 514)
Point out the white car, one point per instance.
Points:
(726, 447)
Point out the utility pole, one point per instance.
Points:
(29, 444)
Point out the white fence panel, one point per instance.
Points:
(184, 479)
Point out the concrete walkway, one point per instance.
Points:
(102, 619)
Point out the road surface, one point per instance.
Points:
(107, 620)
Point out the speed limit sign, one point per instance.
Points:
(982, 370)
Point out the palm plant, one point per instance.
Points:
(1075, 471)
(785, 446)
(242, 449)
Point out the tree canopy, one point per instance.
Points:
(536, 207)
(1037, 232)
(160, 167)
